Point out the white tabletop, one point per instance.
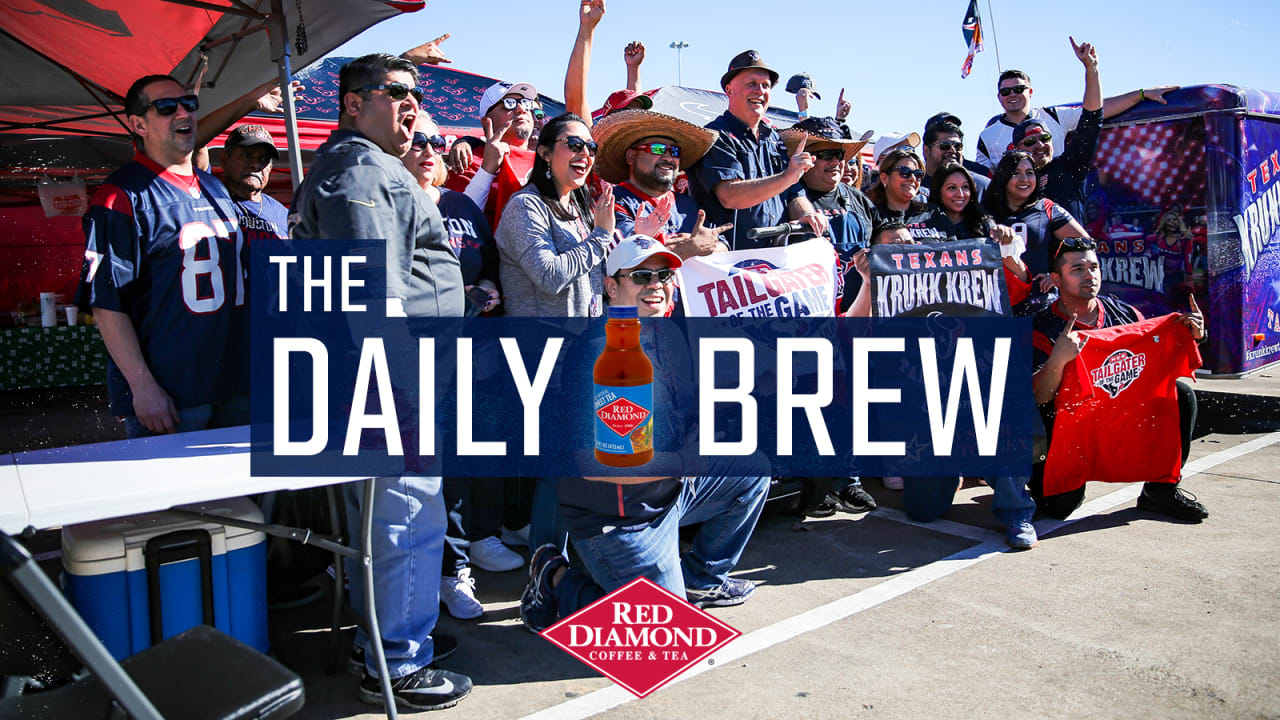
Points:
(82, 483)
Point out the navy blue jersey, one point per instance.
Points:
(1049, 323)
(267, 219)
(165, 249)
(1043, 219)
(628, 200)
(470, 237)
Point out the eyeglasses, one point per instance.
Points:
(907, 173)
(510, 103)
(949, 145)
(657, 148)
(395, 91)
(1033, 140)
(644, 277)
(1073, 244)
(421, 141)
(1018, 89)
(169, 106)
(577, 145)
(829, 154)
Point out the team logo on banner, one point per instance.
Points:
(793, 281)
(640, 636)
(1119, 371)
(955, 279)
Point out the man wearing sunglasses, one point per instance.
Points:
(1143, 436)
(358, 188)
(944, 145)
(164, 276)
(1014, 93)
(506, 117)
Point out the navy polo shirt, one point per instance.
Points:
(739, 154)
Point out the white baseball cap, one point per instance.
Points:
(499, 90)
(634, 250)
(888, 142)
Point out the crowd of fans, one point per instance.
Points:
(558, 217)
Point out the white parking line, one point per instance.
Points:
(896, 586)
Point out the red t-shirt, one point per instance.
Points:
(512, 176)
(1117, 407)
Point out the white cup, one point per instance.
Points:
(48, 309)
(73, 315)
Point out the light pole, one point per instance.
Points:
(678, 46)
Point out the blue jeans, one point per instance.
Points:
(928, 498)
(728, 509)
(545, 524)
(229, 413)
(408, 539)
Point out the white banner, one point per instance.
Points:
(792, 281)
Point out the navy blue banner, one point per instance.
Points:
(353, 393)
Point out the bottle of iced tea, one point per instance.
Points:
(623, 394)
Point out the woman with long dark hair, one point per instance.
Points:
(1014, 199)
(552, 241)
(954, 193)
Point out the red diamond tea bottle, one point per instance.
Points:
(623, 394)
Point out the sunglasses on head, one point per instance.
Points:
(907, 173)
(169, 106)
(1073, 244)
(644, 277)
(657, 148)
(421, 141)
(395, 91)
(950, 144)
(510, 103)
(1007, 91)
(577, 145)
(829, 154)
(1033, 140)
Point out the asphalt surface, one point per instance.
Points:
(1118, 613)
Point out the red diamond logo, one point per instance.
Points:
(640, 636)
(622, 416)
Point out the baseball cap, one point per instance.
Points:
(746, 60)
(623, 98)
(635, 249)
(802, 80)
(247, 135)
(1024, 129)
(499, 90)
(941, 117)
(888, 142)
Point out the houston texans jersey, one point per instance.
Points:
(1117, 406)
(166, 250)
(264, 219)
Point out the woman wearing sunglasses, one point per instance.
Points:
(894, 195)
(1014, 199)
(552, 241)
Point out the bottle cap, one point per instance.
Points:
(622, 312)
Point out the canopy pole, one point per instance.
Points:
(278, 31)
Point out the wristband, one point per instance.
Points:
(803, 113)
(1142, 94)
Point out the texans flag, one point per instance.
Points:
(972, 27)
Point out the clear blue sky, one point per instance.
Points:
(899, 61)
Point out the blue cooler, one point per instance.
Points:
(138, 580)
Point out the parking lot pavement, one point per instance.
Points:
(1116, 614)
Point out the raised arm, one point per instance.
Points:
(575, 78)
(633, 56)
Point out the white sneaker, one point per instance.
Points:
(459, 595)
(490, 554)
(516, 538)
(893, 482)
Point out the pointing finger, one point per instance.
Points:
(441, 39)
(841, 98)
(804, 139)
(1194, 307)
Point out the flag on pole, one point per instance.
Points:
(972, 27)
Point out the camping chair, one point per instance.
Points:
(200, 674)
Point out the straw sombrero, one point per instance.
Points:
(823, 133)
(618, 131)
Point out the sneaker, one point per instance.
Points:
(1174, 502)
(825, 509)
(490, 554)
(893, 482)
(458, 594)
(427, 689)
(442, 646)
(857, 499)
(733, 591)
(1021, 535)
(516, 538)
(538, 609)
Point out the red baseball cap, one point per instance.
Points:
(623, 98)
